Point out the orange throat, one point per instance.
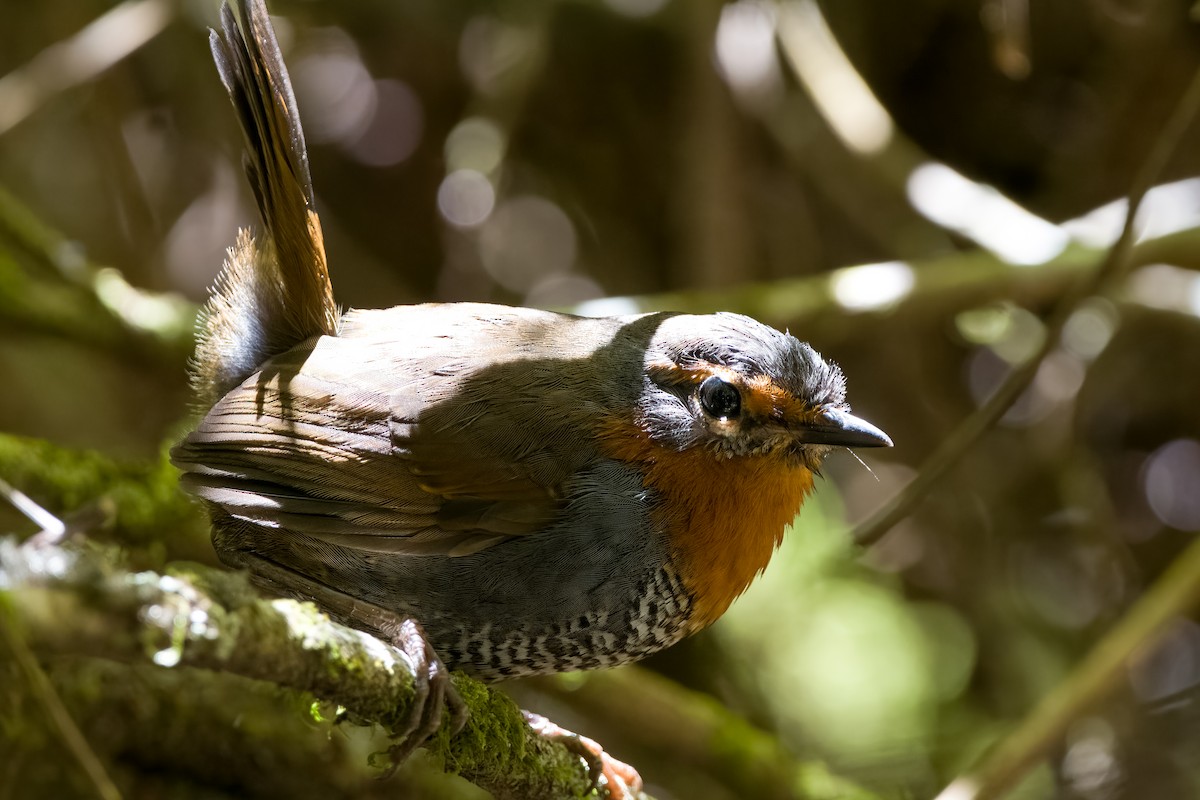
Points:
(724, 516)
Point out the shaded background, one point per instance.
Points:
(570, 154)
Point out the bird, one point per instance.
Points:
(498, 490)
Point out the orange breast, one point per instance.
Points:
(724, 516)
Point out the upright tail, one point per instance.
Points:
(273, 291)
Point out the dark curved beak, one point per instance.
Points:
(840, 429)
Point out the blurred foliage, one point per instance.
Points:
(576, 151)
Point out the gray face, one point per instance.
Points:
(736, 387)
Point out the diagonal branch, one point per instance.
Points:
(1104, 668)
(1111, 269)
(77, 602)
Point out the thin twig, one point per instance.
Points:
(1104, 667)
(1108, 272)
(52, 528)
(103, 42)
(43, 692)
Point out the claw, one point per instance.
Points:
(435, 693)
(620, 780)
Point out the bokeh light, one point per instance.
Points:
(839, 92)
(377, 122)
(1088, 331)
(1166, 287)
(607, 307)
(394, 129)
(1090, 764)
(872, 287)
(983, 214)
(1170, 667)
(1012, 332)
(745, 46)
(195, 246)
(560, 290)
(466, 198)
(1066, 588)
(527, 238)
(334, 90)
(489, 49)
(860, 668)
(1167, 208)
(476, 143)
(1171, 482)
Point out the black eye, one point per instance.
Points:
(720, 398)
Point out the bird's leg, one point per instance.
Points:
(434, 690)
(620, 779)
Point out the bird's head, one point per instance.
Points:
(735, 387)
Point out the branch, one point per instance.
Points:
(1114, 265)
(102, 43)
(64, 298)
(1104, 668)
(696, 733)
(76, 602)
(940, 287)
(62, 294)
(52, 706)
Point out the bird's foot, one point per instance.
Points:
(435, 691)
(620, 780)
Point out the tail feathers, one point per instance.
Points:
(274, 289)
(238, 326)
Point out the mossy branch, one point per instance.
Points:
(129, 502)
(80, 602)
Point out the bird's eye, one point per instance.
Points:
(720, 398)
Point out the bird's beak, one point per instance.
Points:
(842, 430)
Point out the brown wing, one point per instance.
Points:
(388, 442)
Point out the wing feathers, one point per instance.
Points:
(300, 453)
(388, 438)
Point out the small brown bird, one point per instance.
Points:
(541, 492)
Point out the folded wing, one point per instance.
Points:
(409, 457)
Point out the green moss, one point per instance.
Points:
(494, 718)
(230, 589)
(497, 750)
(131, 502)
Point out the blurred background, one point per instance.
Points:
(909, 186)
